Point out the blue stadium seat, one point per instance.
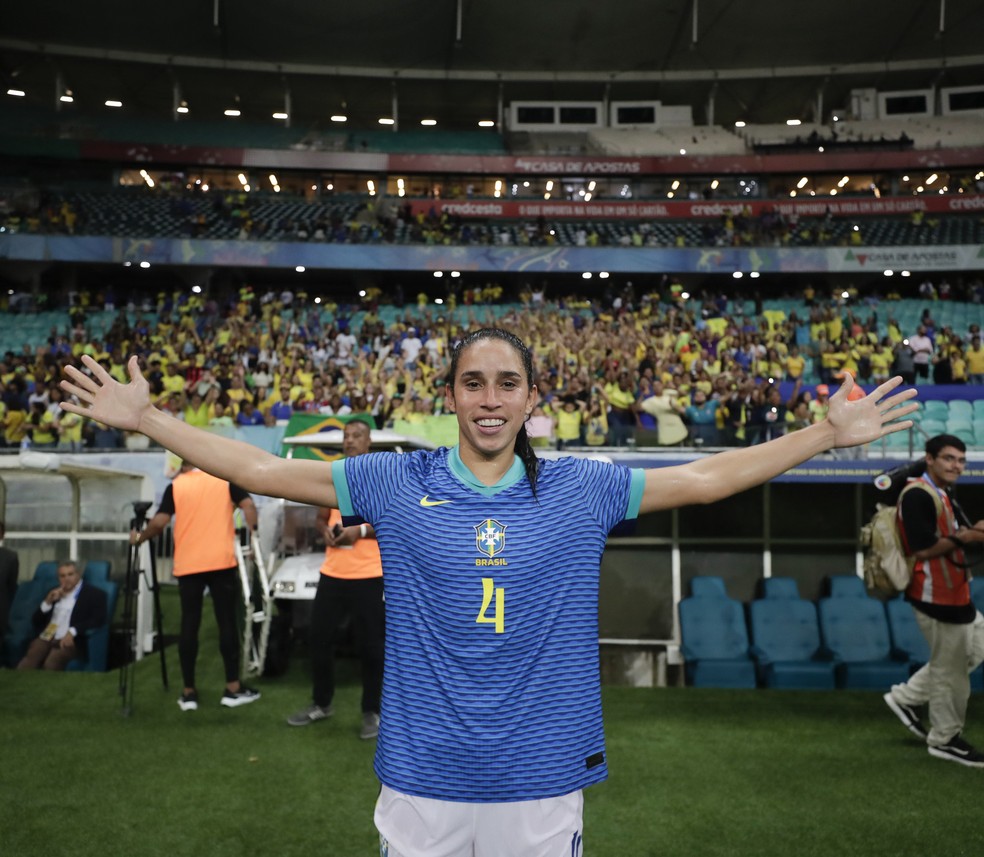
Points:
(855, 630)
(714, 638)
(20, 631)
(907, 640)
(786, 639)
(708, 586)
(47, 572)
(97, 642)
(96, 570)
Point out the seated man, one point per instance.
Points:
(70, 610)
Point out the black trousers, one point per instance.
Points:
(224, 588)
(363, 600)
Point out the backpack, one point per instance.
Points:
(886, 567)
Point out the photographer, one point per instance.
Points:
(936, 534)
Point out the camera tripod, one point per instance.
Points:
(131, 591)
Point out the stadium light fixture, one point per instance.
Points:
(428, 122)
(317, 300)
(549, 185)
(603, 275)
(906, 273)
(112, 102)
(456, 273)
(145, 265)
(739, 124)
(371, 187)
(439, 301)
(843, 181)
(386, 120)
(339, 117)
(587, 196)
(675, 185)
(737, 275)
(715, 184)
(232, 111)
(755, 275)
(438, 274)
(793, 122)
(67, 97)
(281, 115)
(931, 179)
(586, 275)
(242, 178)
(802, 183)
(300, 269)
(670, 194)
(889, 272)
(486, 123)
(182, 107)
(683, 151)
(17, 93)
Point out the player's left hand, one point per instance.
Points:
(874, 416)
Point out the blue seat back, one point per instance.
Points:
(713, 628)
(96, 569)
(47, 571)
(847, 586)
(784, 629)
(20, 630)
(977, 592)
(708, 586)
(780, 587)
(97, 642)
(906, 636)
(855, 629)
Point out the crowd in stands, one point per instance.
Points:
(699, 371)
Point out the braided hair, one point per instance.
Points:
(522, 446)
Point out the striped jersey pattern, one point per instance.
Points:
(491, 686)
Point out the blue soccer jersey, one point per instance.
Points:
(491, 687)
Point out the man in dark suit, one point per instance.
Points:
(9, 570)
(70, 610)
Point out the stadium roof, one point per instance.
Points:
(761, 60)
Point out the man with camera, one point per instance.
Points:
(936, 533)
(351, 582)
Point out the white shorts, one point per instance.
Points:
(423, 827)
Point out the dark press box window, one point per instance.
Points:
(905, 104)
(636, 115)
(578, 115)
(535, 115)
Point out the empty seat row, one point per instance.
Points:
(846, 640)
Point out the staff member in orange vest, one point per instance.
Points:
(351, 583)
(205, 556)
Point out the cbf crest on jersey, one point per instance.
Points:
(490, 539)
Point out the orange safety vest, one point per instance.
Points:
(204, 533)
(354, 562)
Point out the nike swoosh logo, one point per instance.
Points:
(426, 501)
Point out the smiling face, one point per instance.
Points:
(492, 397)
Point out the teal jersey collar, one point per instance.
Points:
(515, 472)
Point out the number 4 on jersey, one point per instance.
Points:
(499, 619)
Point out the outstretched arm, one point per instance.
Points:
(128, 407)
(718, 476)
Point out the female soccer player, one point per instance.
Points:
(491, 715)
